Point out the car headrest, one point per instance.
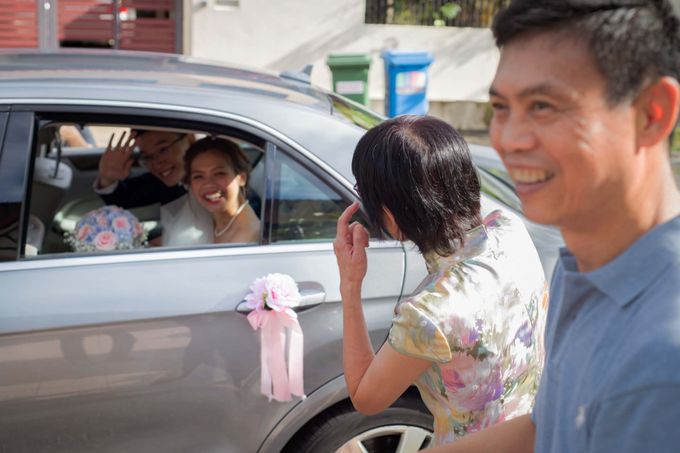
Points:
(46, 135)
(44, 172)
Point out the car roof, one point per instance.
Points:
(49, 74)
(297, 110)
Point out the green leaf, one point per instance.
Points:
(450, 10)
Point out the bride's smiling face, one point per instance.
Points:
(214, 182)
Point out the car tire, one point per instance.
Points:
(406, 427)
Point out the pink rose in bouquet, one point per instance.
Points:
(121, 223)
(84, 232)
(105, 240)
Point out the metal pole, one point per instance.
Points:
(179, 26)
(116, 24)
(47, 11)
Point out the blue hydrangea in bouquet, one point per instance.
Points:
(105, 229)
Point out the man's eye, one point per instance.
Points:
(540, 106)
(498, 106)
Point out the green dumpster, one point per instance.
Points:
(350, 75)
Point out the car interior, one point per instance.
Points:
(304, 206)
(63, 176)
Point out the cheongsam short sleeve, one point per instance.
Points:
(416, 334)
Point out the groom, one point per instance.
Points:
(162, 154)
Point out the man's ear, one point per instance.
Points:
(657, 111)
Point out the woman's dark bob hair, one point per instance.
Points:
(239, 162)
(420, 169)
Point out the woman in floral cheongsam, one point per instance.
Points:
(470, 336)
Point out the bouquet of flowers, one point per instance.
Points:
(107, 228)
(271, 300)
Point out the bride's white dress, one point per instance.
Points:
(186, 222)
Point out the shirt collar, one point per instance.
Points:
(474, 244)
(627, 275)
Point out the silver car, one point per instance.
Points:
(149, 349)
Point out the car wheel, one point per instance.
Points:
(404, 427)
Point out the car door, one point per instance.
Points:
(147, 350)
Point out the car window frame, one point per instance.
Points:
(208, 121)
(16, 136)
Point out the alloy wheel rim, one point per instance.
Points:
(398, 438)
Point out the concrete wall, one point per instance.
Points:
(287, 34)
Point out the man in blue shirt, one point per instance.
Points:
(585, 98)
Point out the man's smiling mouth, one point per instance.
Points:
(529, 175)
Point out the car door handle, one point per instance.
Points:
(311, 295)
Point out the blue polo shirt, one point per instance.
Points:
(612, 377)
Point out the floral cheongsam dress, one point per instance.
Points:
(479, 317)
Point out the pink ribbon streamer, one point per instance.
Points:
(278, 381)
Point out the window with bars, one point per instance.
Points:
(461, 13)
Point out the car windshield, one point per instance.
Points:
(354, 113)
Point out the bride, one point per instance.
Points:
(216, 172)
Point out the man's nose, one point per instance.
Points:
(514, 134)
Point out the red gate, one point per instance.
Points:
(85, 23)
(18, 23)
(153, 28)
(150, 25)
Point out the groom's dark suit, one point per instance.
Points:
(142, 190)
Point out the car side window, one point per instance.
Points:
(70, 213)
(305, 207)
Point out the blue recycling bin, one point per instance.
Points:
(406, 82)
